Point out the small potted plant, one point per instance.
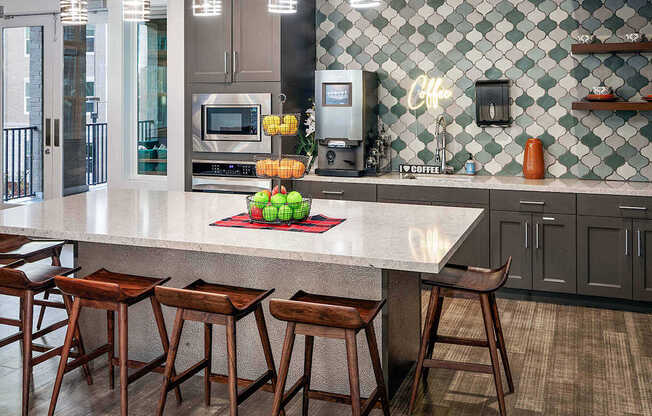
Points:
(307, 145)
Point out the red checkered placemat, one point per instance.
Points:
(315, 224)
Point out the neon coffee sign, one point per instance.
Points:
(426, 91)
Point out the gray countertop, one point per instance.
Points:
(510, 183)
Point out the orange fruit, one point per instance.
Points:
(260, 167)
(298, 169)
(286, 168)
(273, 168)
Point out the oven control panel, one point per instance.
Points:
(237, 169)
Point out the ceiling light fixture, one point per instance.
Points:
(207, 7)
(136, 10)
(74, 12)
(282, 6)
(364, 4)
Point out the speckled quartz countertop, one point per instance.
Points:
(511, 183)
(388, 236)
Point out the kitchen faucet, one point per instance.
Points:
(440, 142)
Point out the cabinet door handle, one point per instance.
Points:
(548, 218)
(627, 241)
(235, 61)
(526, 234)
(57, 127)
(536, 236)
(638, 238)
(226, 62)
(633, 208)
(48, 132)
(332, 192)
(540, 203)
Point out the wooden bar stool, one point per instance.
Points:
(24, 281)
(111, 292)
(18, 247)
(475, 281)
(214, 304)
(329, 317)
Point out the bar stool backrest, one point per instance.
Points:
(10, 242)
(88, 289)
(13, 278)
(195, 300)
(497, 277)
(333, 316)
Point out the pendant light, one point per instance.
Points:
(74, 12)
(207, 7)
(136, 10)
(364, 4)
(282, 6)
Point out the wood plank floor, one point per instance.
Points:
(566, 360)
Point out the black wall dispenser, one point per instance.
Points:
(493, 102)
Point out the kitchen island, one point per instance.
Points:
(378, 252)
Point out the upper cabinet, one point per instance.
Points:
(243, 44)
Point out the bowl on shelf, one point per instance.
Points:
(287, 167)
(281, 124)
(278, 213)
(601, 97)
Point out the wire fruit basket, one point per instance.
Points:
(285, 167)
(278, 213)
(281, 124)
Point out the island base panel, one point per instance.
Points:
(397, 330)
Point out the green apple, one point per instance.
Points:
(279, 199)
(270, 213)
(301, 212)
(285, 213)
(294, 199)
(261, 199)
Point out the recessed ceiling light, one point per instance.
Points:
(282, 6)
(207, 7)
(365, 4)
(136, 10)
(74, 12)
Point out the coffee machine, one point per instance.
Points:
(345, 114)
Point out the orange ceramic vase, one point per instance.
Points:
(533, 160)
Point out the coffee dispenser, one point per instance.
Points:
(345, 114)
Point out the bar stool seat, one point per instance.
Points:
(112, 292)
(25, 281)
(480, 283)
(210, 304)
(329, 317)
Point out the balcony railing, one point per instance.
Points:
(96, 149)
(18, 151)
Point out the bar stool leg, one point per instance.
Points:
(172, 356)
(80, 343)
(501, 342)
(28, 312)
(354, 375)
(233, 365)
(378, 368)
(163, 333)
(307, 370)
(208, 352)
(267, 347)
(41, 313)
(72, 324)
(433, 336)
(286, 356)
(493, 352)
(123, 351)
(425, 340)
(110, 337)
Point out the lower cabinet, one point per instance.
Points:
(543, 248)
(613, 257)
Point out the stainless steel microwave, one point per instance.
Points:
(230, 123)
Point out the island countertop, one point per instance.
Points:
(385, 236)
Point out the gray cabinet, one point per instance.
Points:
(605, 256)
(511, 235)
(242, 44)
(555, 253)
(643, 260)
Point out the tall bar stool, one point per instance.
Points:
(19, 247)
(329, 317)
(475, 281)
(214, 304)
(24, 281)
(111, 292)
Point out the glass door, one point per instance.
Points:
(28, 152)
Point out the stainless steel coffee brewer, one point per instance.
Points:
(345, 114)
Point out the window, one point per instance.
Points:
(27, 40)
(90, 39)
(27, 96)
(90, 88)
(152, 140)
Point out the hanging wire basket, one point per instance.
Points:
(285, 167)
(281, 124)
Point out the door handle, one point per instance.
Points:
(48, 132)
(536, 236)
(527, 225)
(332, 192)
(626, 241)
(539, 203)
(226, 62)
(638, 238)
(56, 132)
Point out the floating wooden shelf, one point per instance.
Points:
(627, 47)
(613, 105)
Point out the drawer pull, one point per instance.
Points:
(633, 208)
(332, 192)
(540, 203)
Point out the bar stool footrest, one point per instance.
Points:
(342, 398)
(136, 365)
(456, 365)
(181, 378)
(255, 386)
(462, 341)
(251, 386)
(104, 349)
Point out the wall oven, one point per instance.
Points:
(230, 123)
(227, 177)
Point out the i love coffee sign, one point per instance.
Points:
(419, 169)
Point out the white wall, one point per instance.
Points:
(25, 6)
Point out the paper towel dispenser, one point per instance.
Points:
(492, 103)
